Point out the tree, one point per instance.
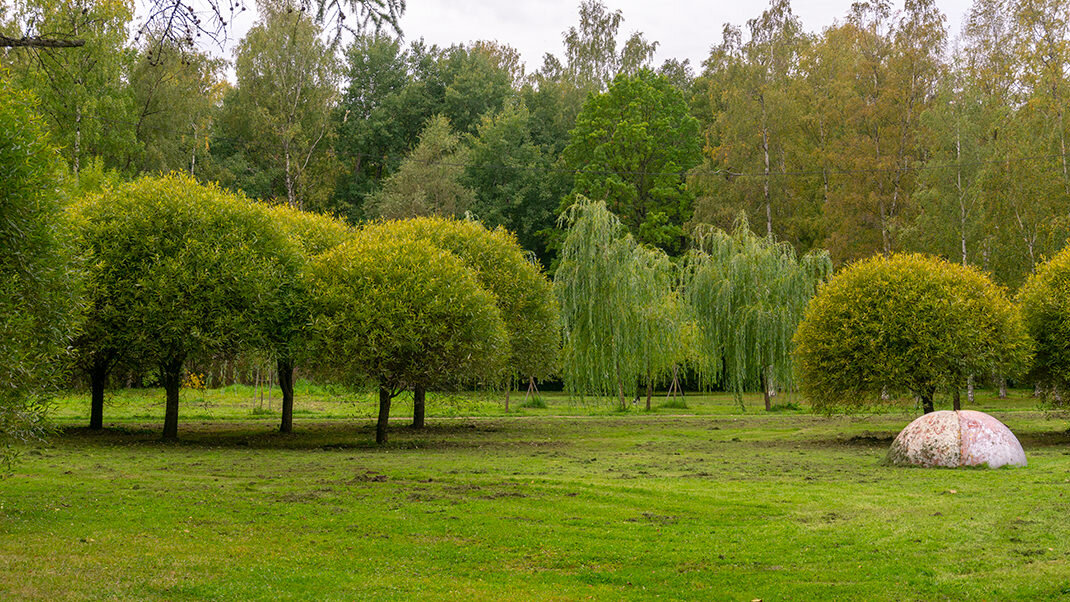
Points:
(513, 179)
(176, 93)
(632, 147)
(618, 311)
(82, 90)
(428, 181)
(1046, 312)
(755, 125)
(400, 314)
(910, 324)
(184, 23)
(280, 110)
(523, 294)
(179, 271)
(285, 330)
(38, 307)
(392, 94)
(747, 295)
(592, 60)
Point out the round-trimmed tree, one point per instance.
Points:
(1045, 306)
(179, 271)
(37, 297)
(401, 313)
(314, 234)
(523, 294)
(910, 325)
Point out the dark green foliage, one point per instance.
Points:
(513, 179)
(632, 147)
(40, 287)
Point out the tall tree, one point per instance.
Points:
(176, 92)
(38, 306)
(280, 110)
(754, 128)
(428, 181)
(82, 90)
(632, 147)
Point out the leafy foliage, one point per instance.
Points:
(621, 318)
(907, 324)
(402, 313)
(522, 293)
(747, 295)
(632, 147)
(1045, 303)
(428, 182)
(38, 305)
(179, 271)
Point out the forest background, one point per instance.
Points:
(884, 132)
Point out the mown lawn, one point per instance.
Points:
(562, 503)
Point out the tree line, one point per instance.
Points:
(883, 132)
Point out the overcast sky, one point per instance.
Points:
(685, 29)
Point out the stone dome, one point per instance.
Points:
(956, 438)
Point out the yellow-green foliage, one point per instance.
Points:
(315, 233)
(1045, 303)
(524, 295)
(178, 269)
(402, 313)
(908, 324)
(37, 284)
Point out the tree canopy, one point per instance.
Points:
(179, 271)
(632, 147)
(39, 298)
(905, 325)
(401, 314)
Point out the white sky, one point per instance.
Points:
(684, 29)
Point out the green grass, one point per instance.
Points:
(568, 502)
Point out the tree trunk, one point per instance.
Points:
(171, 375)
(98, 379)
(285, 369)
(927, 401)
(956, 403)
(649, 393)
(384, 415)
(765, 392)
(419, 396)
(1002, 388)
(969, 389)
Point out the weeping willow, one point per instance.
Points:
(746, 295)
(619, 310)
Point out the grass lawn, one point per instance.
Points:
(566, 502)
